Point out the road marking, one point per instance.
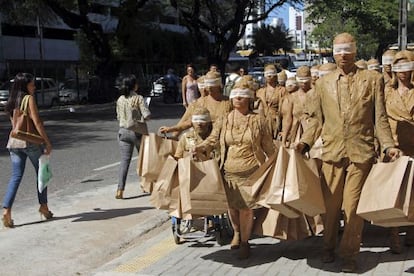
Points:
(150, 257)
(113, 165)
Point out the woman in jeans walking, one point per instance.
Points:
(22, 86)
(131, 113)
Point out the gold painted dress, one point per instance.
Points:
(400, 111)
(244, 145)
(269, 106)
(299, 101)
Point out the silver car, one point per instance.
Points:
(73, 93)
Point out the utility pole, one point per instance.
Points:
(402, 25)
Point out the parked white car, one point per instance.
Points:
(46, 92)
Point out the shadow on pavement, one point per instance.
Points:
(97, 214)
(374, 251)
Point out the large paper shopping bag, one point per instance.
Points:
(255, 189)
(386, 194)
(155, 150)
(166, 186)
(140, 159)
(303, 189)
(201, 187)
(276, 178)
(272, 223)
(316, 150)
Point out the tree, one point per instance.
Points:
(269, 39)
(374, 23)
(222, 22)
(75, 14)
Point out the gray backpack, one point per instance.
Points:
(229, 85)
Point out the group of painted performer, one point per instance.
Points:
(344, 114)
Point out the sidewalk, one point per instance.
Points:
(88, 230)
(158, 255)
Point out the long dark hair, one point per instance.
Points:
(128, 85)
(18, 89)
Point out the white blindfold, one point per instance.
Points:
(303, 79)
(373, 67)
(212, 82)
(204, 118)
(323, 73)
(403, 67)
(242, 93)
(314, 72)
(387, 60)
(201, 85)
(270, 73)
(291, 82)
(344, 48)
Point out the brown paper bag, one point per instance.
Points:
(166, 186)
(272, 223)
(316, 150)
(303, 189)
(254, 189)
(141, 155)
(155, 149)
(201, 187)
(146, 186)
(386, 194)
(315, 224)
(276, 177)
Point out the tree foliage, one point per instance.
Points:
(221, 21)
(374, 23)
(269, 39)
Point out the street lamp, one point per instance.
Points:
(402, 25)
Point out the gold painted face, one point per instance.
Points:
(344, 59)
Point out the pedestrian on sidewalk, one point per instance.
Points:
(131, 112)
(23, 85)
(189, 87)
(351, 114)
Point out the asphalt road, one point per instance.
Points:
(85, 150)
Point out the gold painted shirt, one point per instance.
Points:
(350, 111)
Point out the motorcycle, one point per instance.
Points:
(160, 88)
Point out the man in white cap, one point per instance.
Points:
(349, 115)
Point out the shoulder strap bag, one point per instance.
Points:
(23, 127)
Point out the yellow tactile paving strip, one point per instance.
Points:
(152, 255)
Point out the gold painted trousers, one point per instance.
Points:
(341, 185)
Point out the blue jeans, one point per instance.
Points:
(128, 140)
(18, 158)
